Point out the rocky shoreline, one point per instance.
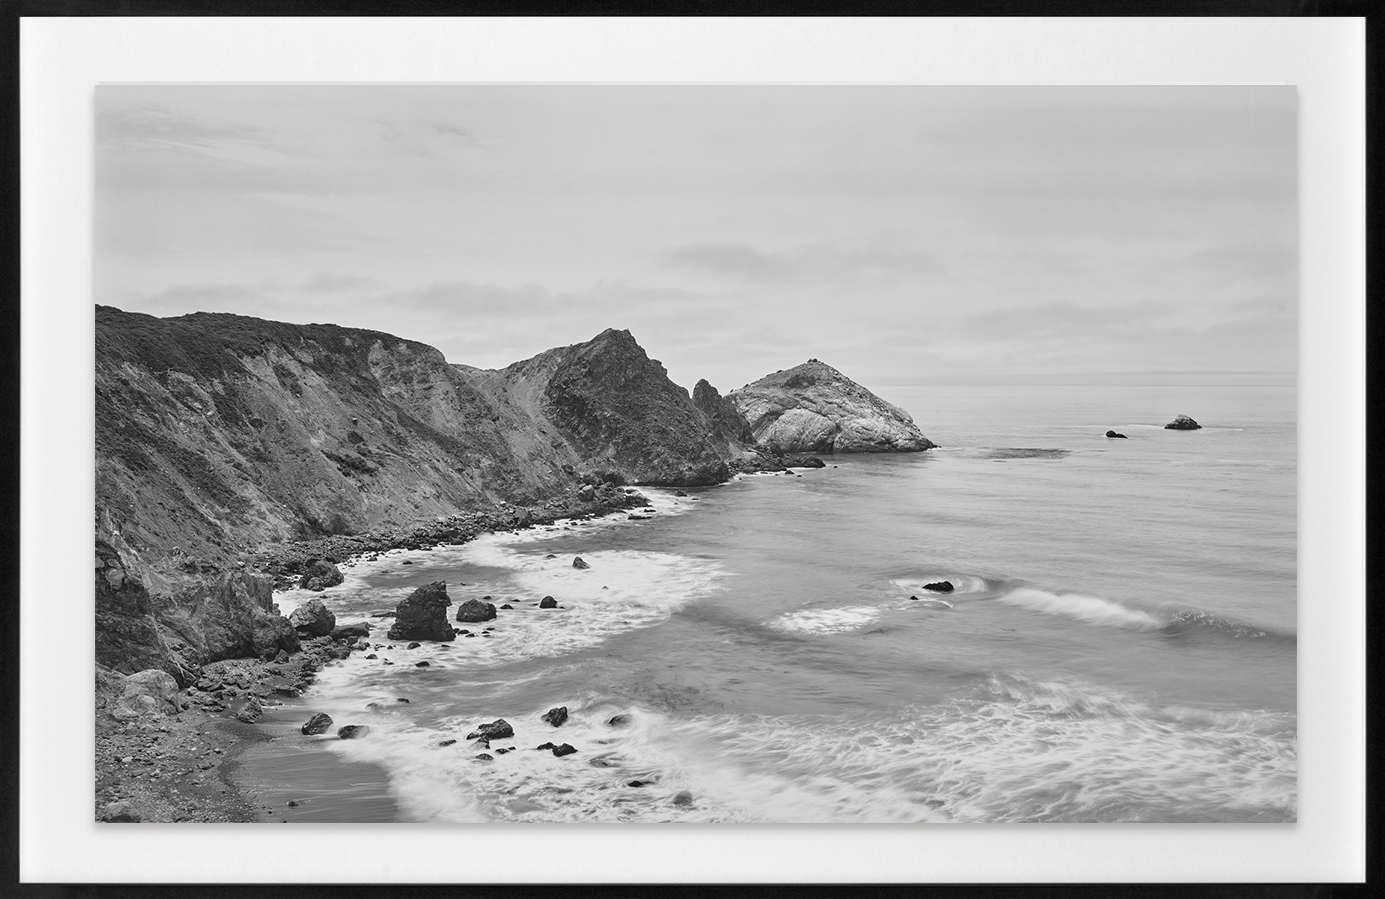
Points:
(165, 754)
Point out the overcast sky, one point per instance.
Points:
(905, 235)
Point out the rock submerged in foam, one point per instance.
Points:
(474, 610)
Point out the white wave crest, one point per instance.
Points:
(1087, 609)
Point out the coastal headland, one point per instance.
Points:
(235, 456)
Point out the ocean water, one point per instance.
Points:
(1120, 645)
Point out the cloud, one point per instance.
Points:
(331, 282)
(862, 260)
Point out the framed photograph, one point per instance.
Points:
(707, 444)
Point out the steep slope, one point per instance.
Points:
(813, 408)
(605, 407)
(218, 434)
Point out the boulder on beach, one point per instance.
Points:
(317, 724)
(587, 493)
(423, 615)
(474, 610)
(1114, 434)
(939, 586)
(578, 563)
(120, 813)
(319, 574)
(313, 619)
(556, 716)
(493, 731)
(147, 693)
(1182, 423)
(548, 602)
(353, 731)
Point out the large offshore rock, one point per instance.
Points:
(423, 615)
(813, 408)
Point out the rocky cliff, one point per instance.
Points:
(218, 434)
(813, 408)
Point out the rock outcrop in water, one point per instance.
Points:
(813, 408)
(1182, 423)
(1115, 434)
(423, 615)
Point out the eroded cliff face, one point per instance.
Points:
(218, 434)
(813, 408)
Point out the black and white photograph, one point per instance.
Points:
(772, 454)
(688, 441)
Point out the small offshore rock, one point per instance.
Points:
(1182, 423)
(317, 724)
(414, 645)
(353, 731)
(618, 720)
(939, 586)
(401, 699)
(556, 716)
(564, 749)
(486, 756)
(447, 742)
(544, 746)
(636, 783)
(548, 602)
(372, 656)
(683, 798)
(496, 729)
(421, 664)
(578, 563)
(1114, 434)
(507, 606)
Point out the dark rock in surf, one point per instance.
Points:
(474, 610)
(1182, 423)
(578, 563)
(493, 731)
(683, 799)
(556, 716)
(421, 664)
(447, 742)
(350, 631)
(312, 619)
(939, 586)
(317, 724)
(414, 645)
(353, 731)
(486, 757)
(618, 720)
(548, 602)
(564, 749)
(423, 615)
(1114, 434)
